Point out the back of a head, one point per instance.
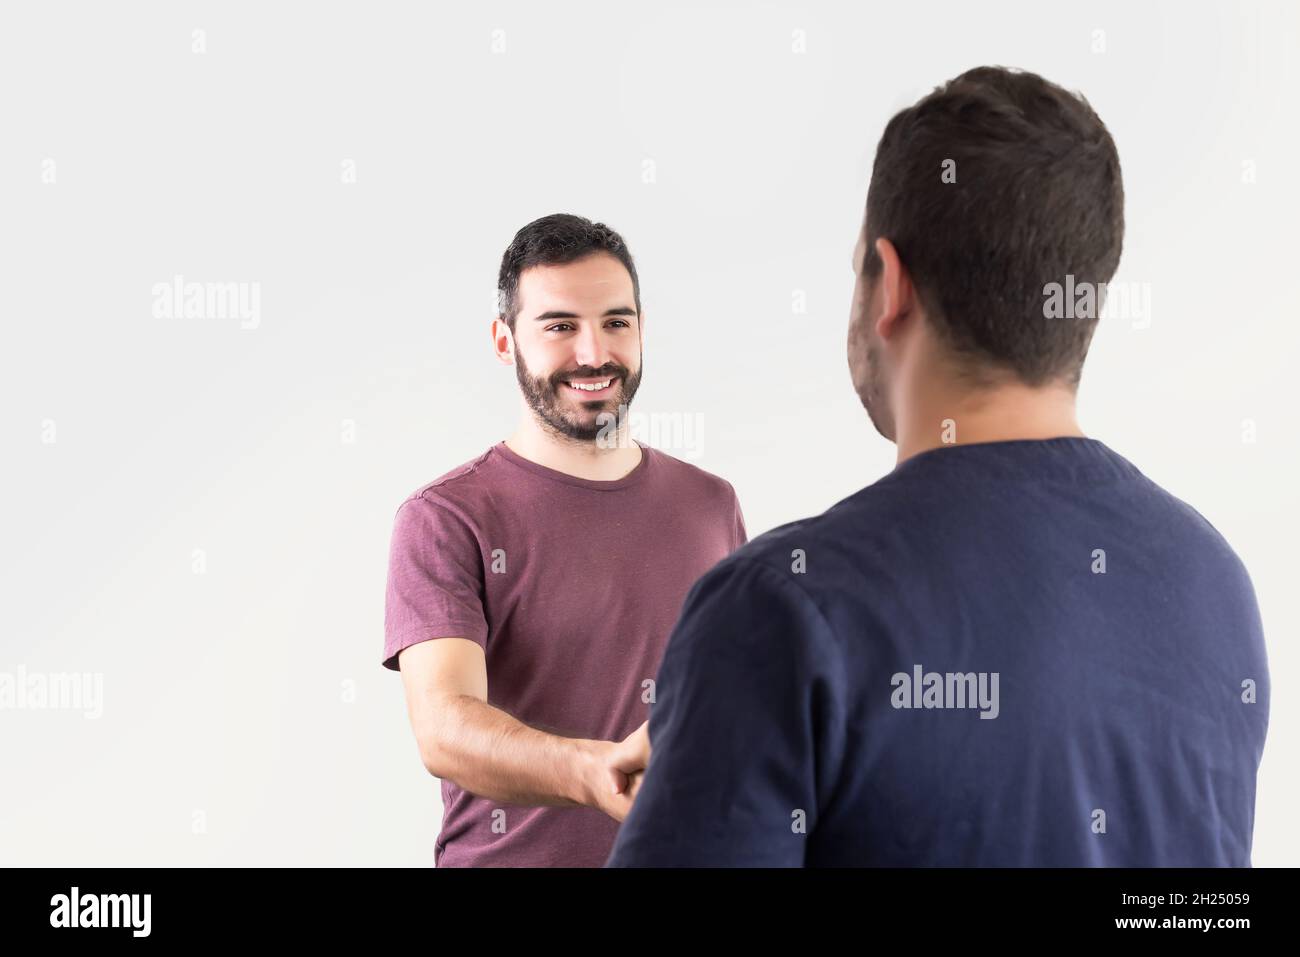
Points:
(993, 186)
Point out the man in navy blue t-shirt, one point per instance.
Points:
(1014, 649)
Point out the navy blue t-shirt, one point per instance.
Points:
(1015, 653)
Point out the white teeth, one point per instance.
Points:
(592, 387)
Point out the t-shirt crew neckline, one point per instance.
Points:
(599, 485)
(1070, 457)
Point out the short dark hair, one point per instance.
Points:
(554, 240)
(1037, 196)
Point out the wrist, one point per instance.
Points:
(587, 771)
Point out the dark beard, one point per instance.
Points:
(874, 400)
(543, 397)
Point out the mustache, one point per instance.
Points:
(607, 371)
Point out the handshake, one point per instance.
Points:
(613, 774)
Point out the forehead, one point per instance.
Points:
(598, 280)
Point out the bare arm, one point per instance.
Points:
(485, 751)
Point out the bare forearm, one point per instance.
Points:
(489, 753)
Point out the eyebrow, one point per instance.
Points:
(560, 314)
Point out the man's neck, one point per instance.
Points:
(1004, 412)
(607, 460)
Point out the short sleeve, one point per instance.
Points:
(742, 536)
(435, 580)
(747, 713)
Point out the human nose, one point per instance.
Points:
(589, 347)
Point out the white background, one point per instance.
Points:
(251, 698)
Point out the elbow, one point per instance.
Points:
(433, 734)
(437, 729)
(432, 754)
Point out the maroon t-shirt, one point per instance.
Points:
(572, 587)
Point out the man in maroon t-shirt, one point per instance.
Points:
(550, 570)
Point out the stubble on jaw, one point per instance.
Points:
(543, 397)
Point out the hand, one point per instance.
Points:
(634, 786)
(616, 772)
(631, 755)
(619, 806)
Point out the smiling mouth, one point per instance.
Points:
(591, 388)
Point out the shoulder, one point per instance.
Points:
(463, 477)
(452, 495)
(690, 477)
(1188, 533)
(863, 524)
